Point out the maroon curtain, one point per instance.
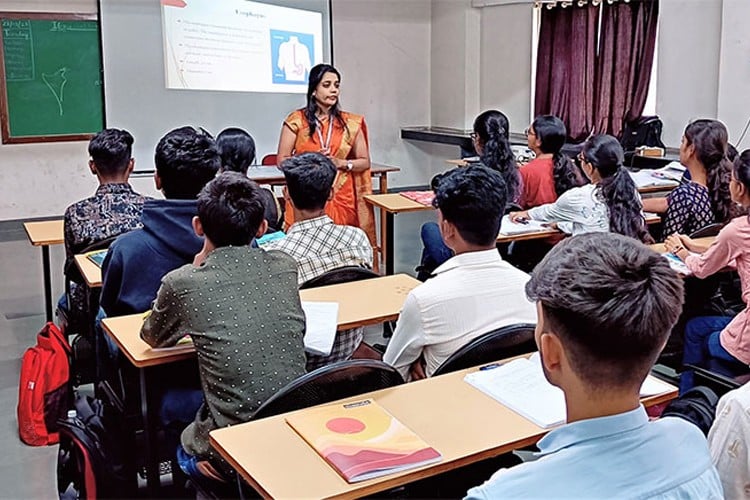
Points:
(623, 65)
(565, 67)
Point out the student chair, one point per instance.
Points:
(269, 160)
(710, 230)
(330, 383)
(511, 340)
(339, 275)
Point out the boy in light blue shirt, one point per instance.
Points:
(606, 305)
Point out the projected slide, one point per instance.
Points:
(239, 45)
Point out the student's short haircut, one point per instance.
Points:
(237, 150)
(473, 199)
(230, 209)
(111, 150)
(612, 302)
(309, 179)
(186, 159)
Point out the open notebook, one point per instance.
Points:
(521, 386)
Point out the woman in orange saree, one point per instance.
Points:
(321, 127)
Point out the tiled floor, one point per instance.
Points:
(29, 472)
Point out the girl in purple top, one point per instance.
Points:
(720, 340)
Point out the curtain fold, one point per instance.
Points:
(623, 65)
(595, 91)
(565, 67)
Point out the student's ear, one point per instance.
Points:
(92, 167)
(197, 226)
(552, 355)
(131, 167)
(262, 229)
(157, 181)
(285, 193)
(330, 195)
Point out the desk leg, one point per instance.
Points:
(47, 282)
(388, 243)
(153, 481)
(383, 189)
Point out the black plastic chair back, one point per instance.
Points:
(710, 230)
(340, 275)
(330, 383)
(71, 271)
(505, 342)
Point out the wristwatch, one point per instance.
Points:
(349, 165)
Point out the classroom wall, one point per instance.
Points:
(734, 70)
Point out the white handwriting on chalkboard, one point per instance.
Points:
(56, 83)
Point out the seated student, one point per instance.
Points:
(186, 159)
(728, 441)
(473, 292)
(606, 304)
(248, 331)
(725, 339)
(610, 203)
(491, 142)
(550, 173)
(315, 242)
(705, 198)
(237, 150)
(114, 209)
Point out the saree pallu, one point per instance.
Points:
(348, 206)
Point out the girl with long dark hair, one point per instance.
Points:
(722, 338)
(610, 203)
(551, 172)
(322, 127)
(705, 199)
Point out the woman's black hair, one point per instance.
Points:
(741, 169)
(551, 132)
(616, 189)
(316, 75)
(709, 137)
(493, 130)
(237, 150)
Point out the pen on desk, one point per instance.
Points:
(489, 367)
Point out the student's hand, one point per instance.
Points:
(519, 217)
(416, 370)
(339, 163)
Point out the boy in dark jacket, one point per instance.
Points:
(186, 160)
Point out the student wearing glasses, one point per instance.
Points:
(610, 203)
(550, 173)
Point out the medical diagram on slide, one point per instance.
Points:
(239, 45)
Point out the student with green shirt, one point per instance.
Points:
(241, 307)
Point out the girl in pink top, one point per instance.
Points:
(709, 339)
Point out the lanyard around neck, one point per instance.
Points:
(324, 145)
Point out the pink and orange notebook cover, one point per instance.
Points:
(423, 197)
(361, 440)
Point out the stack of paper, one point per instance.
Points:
(647, 178)
(321, 321)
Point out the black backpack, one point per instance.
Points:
(89, 462)
(697, 406)
(646, 131)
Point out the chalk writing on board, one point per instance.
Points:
(66, 26)
(18, 46)
(56, 83)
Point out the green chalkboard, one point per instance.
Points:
(50, 77)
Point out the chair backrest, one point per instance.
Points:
(330, 383)
(710, 230)
(269, 159)
(502, 343)
(340, 275)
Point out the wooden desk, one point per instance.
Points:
(43, 234)
(395, 203)
(659, 247)
(462, 423)
(360, 303)
(92, 274)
